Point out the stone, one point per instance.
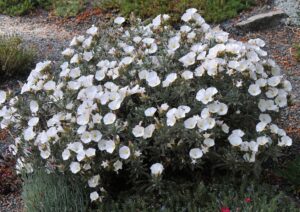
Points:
(261, 21)
(291, 8)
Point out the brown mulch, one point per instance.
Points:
(11, 202)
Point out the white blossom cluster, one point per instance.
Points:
(146, 86)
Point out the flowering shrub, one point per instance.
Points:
(146, 101)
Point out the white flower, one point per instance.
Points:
(174, 43)
(258, 42)
(206, 96)
(187, 16)
(152, 79)
(2, 97)
(87, 56)
(235, 139)
(87, 43)
(90, 152)
(92, 31)
(68, 52)
(148, 131)
(287, 85)
(109, 118)
(274, 81)
(86, 137)
(83, 119)
(107, 145)
(187, 75)
(225, 128)
(148, 41)
(156, 22)
(33, 121)
(150, 111)
(80, 155)
(272, 92)
(261, 126)
(196, 153)
(138, 131)
(254, 90)
(188, 59)
(75, 167)
(223, 109)
(156, 169)
(75, 59)
(221, 37)
(75, 147)
(45, 154)
(66, 154)
(164, 107)
(169, 79)
(126, 61)
(124, 152)
(190, 123)
(266, 118)
(119, 20)
(94, 181)
(34, 106)
(274, 128)
(96, 135)
(29, 134)
(285, 141)
(118, 165)
(94, 196)
(49, 86)
(209, 142)
(262, 140)
(281, 101)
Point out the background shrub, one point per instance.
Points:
(16, 7)
(148, 108)
(44, 192)
(211, 10)
(64, 8)
(68, 8)
(15, 59)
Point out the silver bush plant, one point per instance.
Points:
(146, 99)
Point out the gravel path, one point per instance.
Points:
(47, 38)
(49, 35)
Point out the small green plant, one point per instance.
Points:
(291, 173)
(68, 8)
(212, 10)
(297, 54)
(15, 59)
(44, 192)
(64, 8)
(16, 7)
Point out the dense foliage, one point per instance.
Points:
(54, 192)
(44, 192)
(148, 107)
(15, 59)
(211, 10)
(61, 7)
